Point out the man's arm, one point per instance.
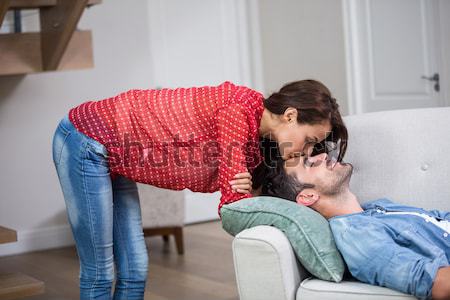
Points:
(441, 286)
(372, 256)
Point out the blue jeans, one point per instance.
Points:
(104, 215)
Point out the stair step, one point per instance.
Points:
(31, 3)
(28, 4)
(17, 285)
(7, 235)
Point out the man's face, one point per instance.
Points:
(328, 177)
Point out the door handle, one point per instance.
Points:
(435, 79)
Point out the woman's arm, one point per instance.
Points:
(233, 132)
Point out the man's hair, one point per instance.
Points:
(278, 183)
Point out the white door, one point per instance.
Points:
(394, 57)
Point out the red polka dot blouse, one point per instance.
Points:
(196, 138)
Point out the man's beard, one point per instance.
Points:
(339, 182)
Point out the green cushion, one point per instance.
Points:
(309, 232)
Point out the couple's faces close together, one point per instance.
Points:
(323, 171)
(296, 144)
(296, 139)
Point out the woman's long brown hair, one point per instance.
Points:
(314, 104)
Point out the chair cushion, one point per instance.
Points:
(307, 231)
(312, 289)
(161, 207)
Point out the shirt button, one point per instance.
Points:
(445, 234)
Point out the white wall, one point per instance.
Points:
(31, 106)
(303, 39)
(199, 42)
(135, 46)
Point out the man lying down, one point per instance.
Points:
(383, 243)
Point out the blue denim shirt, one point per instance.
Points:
(401, 252)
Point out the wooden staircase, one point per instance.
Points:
(58, 46)
(16, 285)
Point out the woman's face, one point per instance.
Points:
(294, 139)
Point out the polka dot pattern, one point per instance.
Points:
(196, 138)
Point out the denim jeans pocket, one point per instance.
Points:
(96, 152)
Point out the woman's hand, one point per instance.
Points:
(242, 183)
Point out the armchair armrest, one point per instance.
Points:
(265, 265)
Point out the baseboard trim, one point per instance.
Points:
(39, 239)
(52, 237)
